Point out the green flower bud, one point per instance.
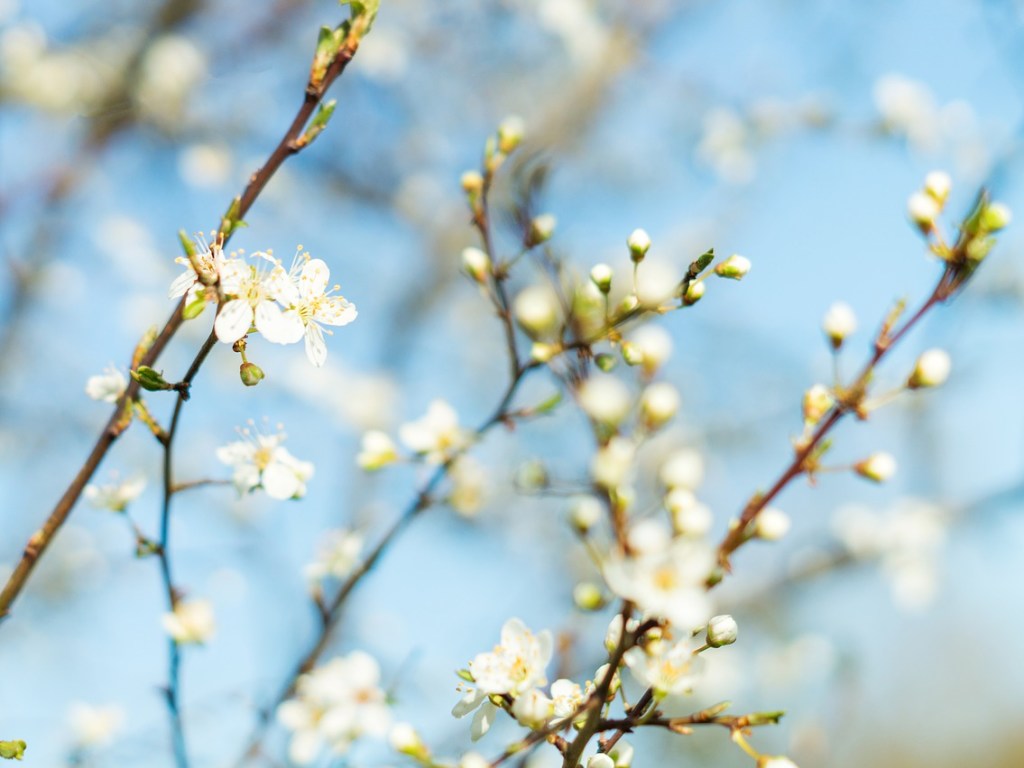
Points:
(251, 374)
(149, 379)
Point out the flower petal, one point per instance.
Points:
(335, 310)
(313, 279)
(233, 321)
(276, 326)
(316, 350)
(280, 482)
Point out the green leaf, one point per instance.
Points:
(231, 220)
(186, 243)
(12, 750)
(319, 122)
(550, 404)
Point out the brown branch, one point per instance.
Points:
(119, 420)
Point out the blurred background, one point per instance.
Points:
(887, 624)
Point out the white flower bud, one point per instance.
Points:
(690, 517)
(474, 760)
(631, 353)
(585, 512)
(771, 524)
(639, 243)
(684, 468)
(656, 283)
(622, 753)
(775, 761)
(605, 400)
(542, 228)
(838, 323)
(533, 709)
(932, 369)
(658, 404)
(472, 182)
(694, 293)
(542, 352)
(612, 463)
(735, 267)
(601, 275)
(652, 344)
(722, 630)
(878, 467)
(378, 450)
(536, 310)
(600, 760)
(190, 622)
(937, 185)
(923, 210)
(476, 263)
(587, 596)
(510, 133)
(404, 739)
(996, 216)
(818, 401)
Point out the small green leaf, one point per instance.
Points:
(187, 244)
(466, 675)
(765, 718)
(194, 309)
(550, 404)
(319, 122)
(231, 221)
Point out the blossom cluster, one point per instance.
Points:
(334, 705)
(283, 305)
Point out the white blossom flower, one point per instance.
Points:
(668, 668)
(260, 461)
(251, 294)
(210, 259)
(191, 621)
(667, 582)
(378, 450)
(93, 726)
(775, 761)
(308, 298)
(334, 705)
(516, 665)
(338, 557)
(437, 435)
(115, 496)
(600, 760)
(567, 697)
(107, 386)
